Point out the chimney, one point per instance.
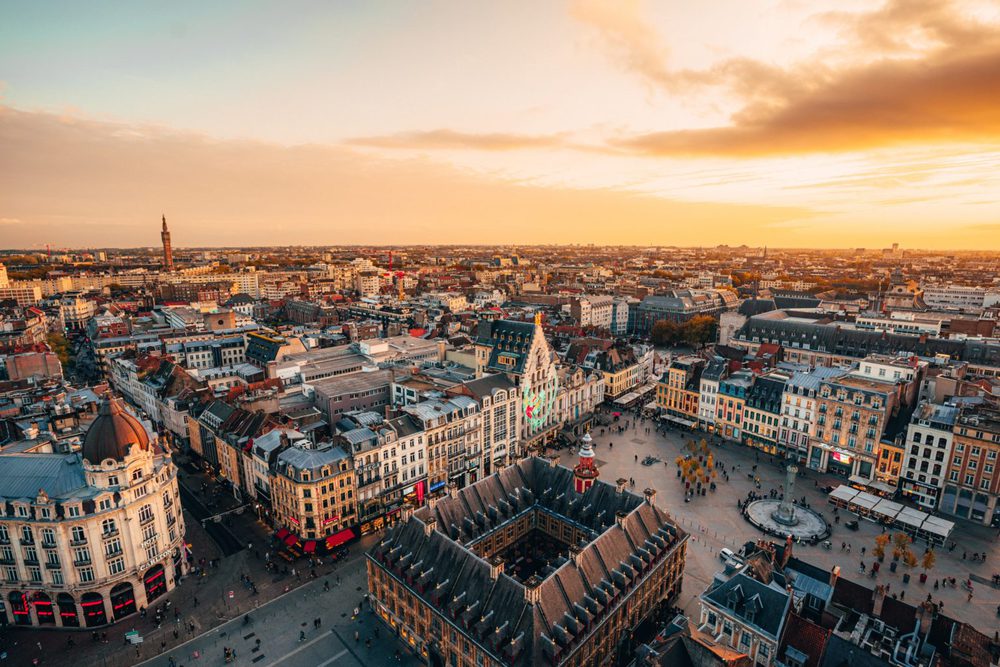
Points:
(430, 523)
(576, 554)
(532, 594)
(877, 599)
(620, 518)
(620, 484)
(453, 489)
(650, 495)
(441, 350)
(496, 567)
(405, 512)
(834, 576)
(786, 552)
(432, 502)
(283, 439)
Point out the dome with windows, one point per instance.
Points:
(113, 433)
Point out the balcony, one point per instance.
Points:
(110, 533)
(78, 562)
(31, 560)
(53, 566)
(78, 542)
(117, 551)
(145, 520)
(49, 545)
(4, 560)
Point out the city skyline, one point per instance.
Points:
(788, 124)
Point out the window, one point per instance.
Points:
(145, 513)
(116, 566)
(86, 574)
(26, 536)
(73, 511)
(78, 535)
(112, 480)
(108, 526)
(745, 641)
(112, 547)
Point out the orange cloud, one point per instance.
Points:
(951, 99)
(922, 73)
(86, 183)
(444, 139)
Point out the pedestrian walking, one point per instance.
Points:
(302, 635)
(357, 637)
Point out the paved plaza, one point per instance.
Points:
(714, 520)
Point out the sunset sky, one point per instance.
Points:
(782, 122)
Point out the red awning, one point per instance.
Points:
(343, 536)
(282, 534)
(310, 546)
(290, 540)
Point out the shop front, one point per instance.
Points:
(840, 464)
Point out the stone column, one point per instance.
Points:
(785, 514)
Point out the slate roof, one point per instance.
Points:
(842, 653)
(449, 576)
(489, 385)
(309, 459)
(508, 338)
(742, 595)
(59, 475)
(821, 334)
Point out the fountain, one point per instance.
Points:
(784, 518)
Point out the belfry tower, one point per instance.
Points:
(585, 473)
(168, 253)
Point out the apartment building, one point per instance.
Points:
(731, 400)
(928, 453)
(708, 392)
(313, 491)
(798, 416)
(453, 433)
(679, 390)
(972, 490)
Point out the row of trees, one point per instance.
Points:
(698, 331)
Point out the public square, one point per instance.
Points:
(714, 520)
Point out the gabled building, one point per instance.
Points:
(519, 350)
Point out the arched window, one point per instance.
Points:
(155, 581)
(43, 608)
(109, 527)
(67, 610)
(122, 600)
(94, 613)
(20, 608)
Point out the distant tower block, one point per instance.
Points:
(585, 473)
(168, 253)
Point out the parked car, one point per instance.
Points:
(726, 554)
(851, 525)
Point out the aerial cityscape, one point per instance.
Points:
(584, 333)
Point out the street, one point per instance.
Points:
(278, 624)
(715, 522)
